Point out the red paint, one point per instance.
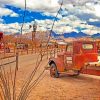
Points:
(91, 71)
(77, 54)
(1, 36)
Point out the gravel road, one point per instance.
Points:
(83, 87)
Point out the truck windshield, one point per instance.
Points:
(87, 46)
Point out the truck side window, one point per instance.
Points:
(70, 48)
(87, 46)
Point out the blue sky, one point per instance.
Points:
(74, 16)
(30, 15)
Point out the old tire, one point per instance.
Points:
(7, 50)
(53, 71)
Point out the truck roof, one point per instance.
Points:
(81, 41)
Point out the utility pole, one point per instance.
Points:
(34, 26)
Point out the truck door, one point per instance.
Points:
(90, 52)
(69, 57)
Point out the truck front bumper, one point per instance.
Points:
(93, 65)
(92, 68)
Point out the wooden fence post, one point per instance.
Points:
(17, 56)
(47, 52)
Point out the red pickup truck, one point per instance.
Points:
(79, 57)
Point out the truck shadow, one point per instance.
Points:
(82, 78)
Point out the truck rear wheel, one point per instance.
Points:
(53, 71)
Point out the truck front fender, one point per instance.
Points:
(59, 64)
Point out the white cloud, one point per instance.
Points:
(15, 27)
(78, 2)
(91, 31)
(14, 15)
(6, 11)
(1, 20)
(97, 9)
(52, 14)
(50, 8)
(61, 26)
(93, 20)
(92, 9)
(9, 28)
(37, 5)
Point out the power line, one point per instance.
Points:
(28, 81)
(24, 15)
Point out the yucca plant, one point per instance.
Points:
(8, 81)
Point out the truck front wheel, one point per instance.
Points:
(53, 71)
(77, 72)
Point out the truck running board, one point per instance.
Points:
(91, 72)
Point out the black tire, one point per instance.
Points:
(53, 71)
(77, 72)
(8, 50)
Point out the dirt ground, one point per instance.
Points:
(83, 87)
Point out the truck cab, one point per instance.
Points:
(1, 37)
(76, 57)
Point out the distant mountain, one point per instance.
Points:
(54, 34)
(96, 35)
(71, 34)
(75, 34)
(16, 34)
(60, 36)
